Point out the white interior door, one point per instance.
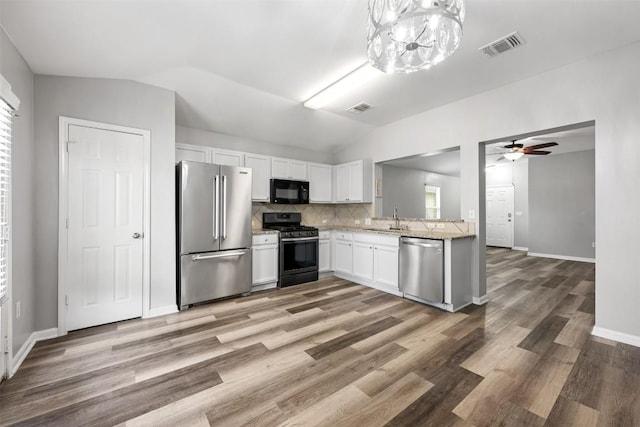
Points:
(105, 226)
(3, 339)
(500, 216)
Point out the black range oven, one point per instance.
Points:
(298, 248)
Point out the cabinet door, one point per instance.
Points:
(227, 158)
(363, 260)
(320, 183)
(385, 261)
(279, 168)
(343, 256)
(324, 263)
(265, 264)
(261, 171)
(342, 183)
(192, 152)
(355, 182)
(298, 170)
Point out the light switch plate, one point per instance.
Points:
(324, 221)
(472, 214)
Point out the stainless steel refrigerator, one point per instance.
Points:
(213, 216)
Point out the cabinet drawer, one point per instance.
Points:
(265, 239)
(341, 235)
(376, 239)
(323, 235)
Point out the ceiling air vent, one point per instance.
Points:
(359, 108)
(503, 44)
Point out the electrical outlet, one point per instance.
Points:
(18, 309)
(367, 221)
(357, 222)
(440, 225)
(431, 225)
(472, 214)
(324, 221)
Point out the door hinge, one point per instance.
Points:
(66, 300)
(5, 344)
(67, 222)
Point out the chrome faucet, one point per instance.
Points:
(396, 225)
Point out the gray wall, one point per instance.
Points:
(580, 92)
(16, 71)
(186, 135)
(118, 102)
(404, 187)
(562, 204)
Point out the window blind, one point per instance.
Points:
(5, 186)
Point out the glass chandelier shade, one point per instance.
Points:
(410, 35)
(513, 155)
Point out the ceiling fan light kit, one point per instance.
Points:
(514, 155)
(410, 35)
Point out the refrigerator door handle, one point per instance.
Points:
(216, 207)
(224, 206)
(221, 255)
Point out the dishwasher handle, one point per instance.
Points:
(423, 245)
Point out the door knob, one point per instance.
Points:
(136, 235)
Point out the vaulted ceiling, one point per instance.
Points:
(244, 67)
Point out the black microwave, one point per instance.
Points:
(289, 192)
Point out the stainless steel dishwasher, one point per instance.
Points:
(422, 268)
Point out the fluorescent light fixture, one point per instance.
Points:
(344, 85)
(514, 155)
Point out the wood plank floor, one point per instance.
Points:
(337, 353)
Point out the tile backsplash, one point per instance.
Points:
(352, 214)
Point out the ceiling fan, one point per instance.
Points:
(517, 150)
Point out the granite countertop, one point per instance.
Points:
(401, 233)
(258, 231)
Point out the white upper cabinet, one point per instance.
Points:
(192, 152)
(320, 183)
(353, 182)
(288, 169)
(227, 158)
(261, 171)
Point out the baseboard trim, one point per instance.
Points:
(264, 286)
(26, 348)
(481, 301)
(616, 336)
(520, 248)
(565, 257)
(161, 311)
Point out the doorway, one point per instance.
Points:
(104, 224)
(500, 216)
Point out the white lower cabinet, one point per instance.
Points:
(369, 259)
(385, 265)
(342, 255)
(363, 260)
(324, 249)
(265, 261)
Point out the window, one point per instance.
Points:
(432, 201)
(5, 181)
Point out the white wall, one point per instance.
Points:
(16, 71)
(604, 88)
(186, 135)
(118, 102)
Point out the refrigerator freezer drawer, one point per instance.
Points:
(212, 275)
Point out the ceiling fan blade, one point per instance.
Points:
(544, 145)
(501, 158)
(539, 152)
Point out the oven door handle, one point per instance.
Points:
(300, 239)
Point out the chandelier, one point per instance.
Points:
(410, 35)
